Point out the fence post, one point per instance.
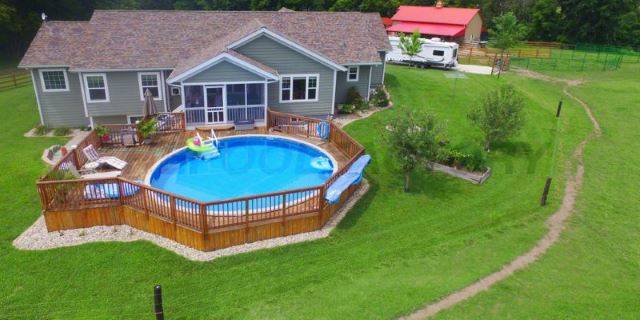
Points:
(545, 193)
(470, 54)
(157, 302)
(559, 109)
(15, 83)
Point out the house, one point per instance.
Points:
(452, 24)
(215, 66)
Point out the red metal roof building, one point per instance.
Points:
(459, 24)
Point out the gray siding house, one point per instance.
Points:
(217, 67)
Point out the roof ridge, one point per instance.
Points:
(230, 11)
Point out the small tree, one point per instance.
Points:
(506, 34)
(499, 115)
(414, 140)
(411, 45)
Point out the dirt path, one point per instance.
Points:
(555, 223)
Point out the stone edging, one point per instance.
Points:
(473, 177)
(36, 237)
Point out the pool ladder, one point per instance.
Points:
(214, 137)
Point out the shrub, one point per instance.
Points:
(41, 130)
(346, 108)
(468, 158)
(499, 115)
(354, 98)
(413, 138)
(101, 131)
(62, 131)
(379, 98)
(147, 127)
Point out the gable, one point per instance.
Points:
(224, 71)
(278, 56)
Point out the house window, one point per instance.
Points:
(438, 53)
(301, 87)
(352, 74)
(54, 80)
(134, 119)
(149, 81)
(96, 87)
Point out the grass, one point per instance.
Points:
(393, 251)
(594, 271)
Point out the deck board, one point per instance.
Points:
(141, 158)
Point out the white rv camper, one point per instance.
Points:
(434, 53)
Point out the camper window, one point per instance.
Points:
(438, 53)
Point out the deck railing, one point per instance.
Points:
(202, 225)
(167, 122)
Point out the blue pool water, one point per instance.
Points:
(246, 166)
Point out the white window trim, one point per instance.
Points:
(130, 116)
(160, 86)
(66, 80)
(306, 94)
(86, 87)
(357, 73)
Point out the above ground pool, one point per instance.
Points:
(246, 166)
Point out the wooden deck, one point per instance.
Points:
(141, 158)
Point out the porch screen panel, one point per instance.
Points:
(236, 95)
(255, 93)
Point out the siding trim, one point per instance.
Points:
(369, 86)
(333, 101)
(33, 79)
(84, 99)
(288, 43)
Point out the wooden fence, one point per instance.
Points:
(14, 79)
(81, 203)
(170, 122)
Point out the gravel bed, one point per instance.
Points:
(36, 237)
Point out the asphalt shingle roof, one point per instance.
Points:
(126, 39)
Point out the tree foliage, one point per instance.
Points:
(499, 115)
(413, 138)
(411, 45)
(507, 32)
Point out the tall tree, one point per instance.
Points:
(546, 21)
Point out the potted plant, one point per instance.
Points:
(146, 128)
(103, 133)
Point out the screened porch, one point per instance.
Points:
(220, 103)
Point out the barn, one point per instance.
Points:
(463, 25)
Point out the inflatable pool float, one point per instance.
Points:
(322, 163)
(202, 147)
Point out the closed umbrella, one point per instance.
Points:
(149, 105)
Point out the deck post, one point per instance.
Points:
(246, 221)
(284, 213)
(120, 191)
(174, 219)
(203, 222)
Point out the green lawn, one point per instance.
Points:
(594, 271)
(392, 253)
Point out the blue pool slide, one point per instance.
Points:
(351, 177)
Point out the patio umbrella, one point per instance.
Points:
(149, 105)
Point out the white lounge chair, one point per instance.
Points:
(95, 160)
(89, 174)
